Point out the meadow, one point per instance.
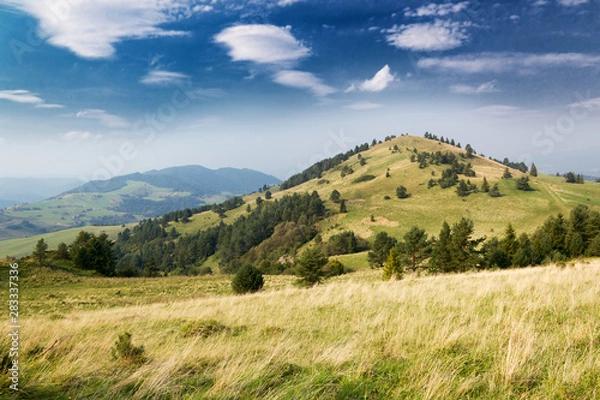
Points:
(526, 333)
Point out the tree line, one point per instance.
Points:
(456, 250)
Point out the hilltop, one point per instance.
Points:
(129, 198)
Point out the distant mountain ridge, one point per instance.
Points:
(198, 180)
(130, 198)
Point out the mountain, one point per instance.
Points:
(368, 179)
(129, 198)
(30, 190)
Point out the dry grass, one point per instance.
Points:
(529, 333)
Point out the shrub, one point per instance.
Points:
(247, 280)
(205, 270)
(364, 178)
(125, 350)
(334, 268)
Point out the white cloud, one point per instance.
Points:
(79, 136)
(202, 8)
(380, 81)
(498, 110)
(264, 44)
(505, 62)
(91, 28)
(284, 3)
(571, 3)
(350, 88)
(49, 105)
(363, 105)
(487, 87)
(303, 80)
(163, 78)
(590, 104)
(436, 10)
(20, 96)
(439, 35)
(109, 120)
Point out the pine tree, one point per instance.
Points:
(402, 192)
(507, 174)
(247, 280)
(39, 254)
(335, 196)
(440, 260)
(62, 252)
(415, 248)
(392, 266)
(523, 184)
(509, 243)
(462, 247)
(381, 248)
(485, 186)
(533, 170)
(343, 208)
(309, 267)
(494, 191)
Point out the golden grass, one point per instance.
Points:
(528, 333)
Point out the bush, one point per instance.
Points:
(334, 268)
(364, 178)
(247, 280)
(205, 270)
(125, 350)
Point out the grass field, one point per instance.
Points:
(530, 333)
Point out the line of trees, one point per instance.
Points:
(455, 250)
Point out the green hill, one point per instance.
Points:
(427, 208)
(129, 198)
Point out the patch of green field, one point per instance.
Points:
(24, 246)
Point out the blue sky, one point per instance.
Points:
(97, 88)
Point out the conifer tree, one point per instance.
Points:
(533, 170)
(39, 254)
(494, 191)
(509, 243)
(343, 208)
(507, 174)
(309, 267)
(485, 186)
(441, 259)
(392, 266)
(415, 248)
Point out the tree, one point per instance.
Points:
(402, 192)
(469, 151)
(507, 174)
(462, 248)
(381, 249)
(62, 252)
(462, 190)
(335, 196)
(533, 170)
(39, 254)
(440, 260)
(485, 186)
(247, 280)
(268, 194)
(343, 208)
(309, 267)
(494, 191)
(95, 253)
(570, 177)
(392, 266)
(523, 184)
(509, 243)
(416, 247)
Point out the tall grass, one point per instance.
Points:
(528, 333)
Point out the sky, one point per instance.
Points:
(98, 88)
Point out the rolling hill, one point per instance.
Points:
(426, 207)
(129, 198)
(373, 207)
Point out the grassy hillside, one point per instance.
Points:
(428, 208)
(24, 246)
(529, 333)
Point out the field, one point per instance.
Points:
(529, 333)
